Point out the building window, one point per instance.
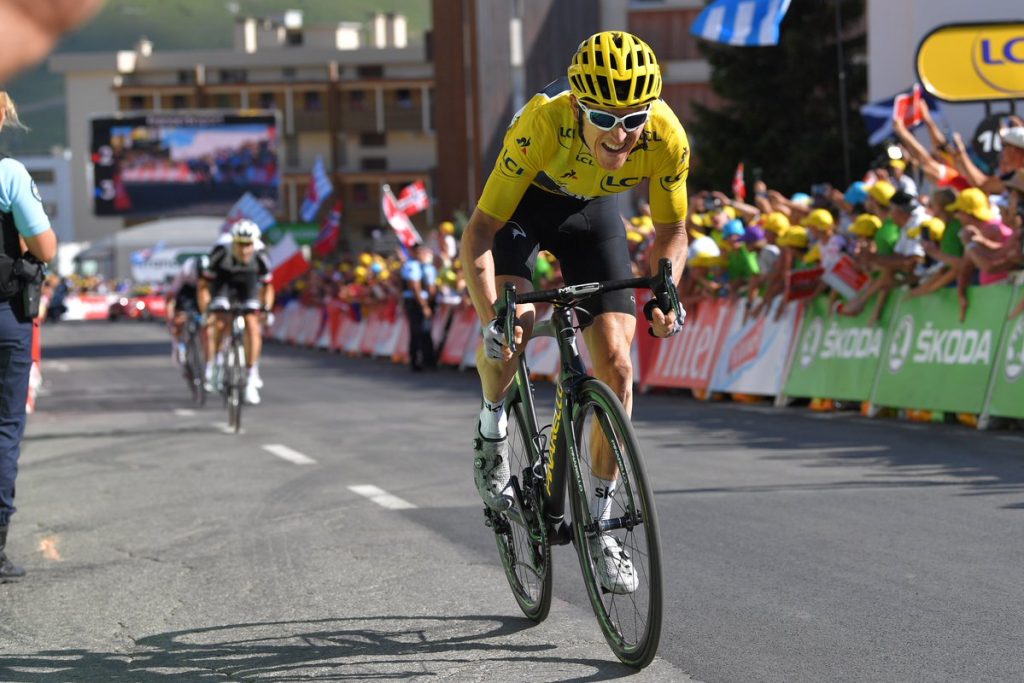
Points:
(136, 102)
(373, 139)
(370, 71)
(179, 102)
(360, 194)
(233, 76)
(224, 101)
(293, 38)
(374, 164)
(312, 101)
(268, 100)
(288, 73)
(291, 152)
(404, 98)
(357, 100)
(186, 77)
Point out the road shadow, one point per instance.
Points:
(343, 649)
(901, 455)
(66, 351)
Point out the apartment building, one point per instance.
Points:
(360, 96)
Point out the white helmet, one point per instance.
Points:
(245, 230)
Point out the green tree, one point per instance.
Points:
(780, 104)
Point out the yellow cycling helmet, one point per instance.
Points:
(615, 69)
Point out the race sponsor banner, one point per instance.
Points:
(688, 359)
(463, 330)
(932, 361)
(1007, 399)
(752, 359)
(88, 306)
(837, 356)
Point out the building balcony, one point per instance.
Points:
(361, 120)
(310, 121)
(403, 118)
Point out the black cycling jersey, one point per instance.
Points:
(233, 280)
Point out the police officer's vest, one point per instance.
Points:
(10, 250)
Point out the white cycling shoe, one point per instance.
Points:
(613, 566)
(252, 394)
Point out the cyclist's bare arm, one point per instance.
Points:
(670, 242)
(478, 262)
(267, 296)
(203, 294)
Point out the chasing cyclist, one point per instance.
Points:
(233, 277)
(183, 300)
(567, 153)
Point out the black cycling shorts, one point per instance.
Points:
(586, 236)
(186, 299)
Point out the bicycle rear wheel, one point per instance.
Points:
(520, 533)
(630, 620)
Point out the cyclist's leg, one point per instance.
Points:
(596, 249)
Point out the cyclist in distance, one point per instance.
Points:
(182, 300)
(233, 277)
(567, 153)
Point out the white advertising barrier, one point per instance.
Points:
(687, 360)
(309, 326)
(753, 358)
(282, 320)
(354, 337)
(388, 336)
(88, 306)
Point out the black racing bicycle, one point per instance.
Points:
(194, 358)
(589, 428)
(234, 377)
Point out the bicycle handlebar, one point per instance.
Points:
(662, 285)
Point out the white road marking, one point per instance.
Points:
(288, 454)
(381, 497)
(223, 427)
(57, 366)
(184, 412)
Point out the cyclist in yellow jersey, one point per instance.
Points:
(566, 156)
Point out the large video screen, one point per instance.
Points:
(174, 163)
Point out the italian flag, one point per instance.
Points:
(286, 261)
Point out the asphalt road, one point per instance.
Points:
(797, 548)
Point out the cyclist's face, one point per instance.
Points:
(611, 148)
(244, 251)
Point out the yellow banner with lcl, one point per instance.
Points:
(973, 62)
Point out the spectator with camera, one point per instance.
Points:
(26, 240)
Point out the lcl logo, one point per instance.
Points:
(973, 62)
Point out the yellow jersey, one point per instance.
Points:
(542, 148)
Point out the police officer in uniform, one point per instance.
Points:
(26, 240)
(419, 278)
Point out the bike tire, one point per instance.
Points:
(238, 388)
(232, 394)
(631, 622)
(525, 551)
(197, 370)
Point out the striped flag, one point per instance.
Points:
(413, 198)
(286, 261)
(398, 219)
(878, 115)
(248, 207)
(320, 187)
(748, 23)
(330, 233)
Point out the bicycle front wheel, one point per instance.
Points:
(624, 583)
(234, 396)
(520, 533)
(196, 369)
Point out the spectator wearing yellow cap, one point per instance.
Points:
(794, 244)
(987, 240)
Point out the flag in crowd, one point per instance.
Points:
(320, 187)
(748, 23)
(249, 207)
(909, 107)
(286, 261)
(398, 219)
(739, 188)
(878, 115)
(330, 233)
(413, 198)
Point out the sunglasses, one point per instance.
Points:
(607, 121)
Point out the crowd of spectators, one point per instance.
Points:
(924, 220)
